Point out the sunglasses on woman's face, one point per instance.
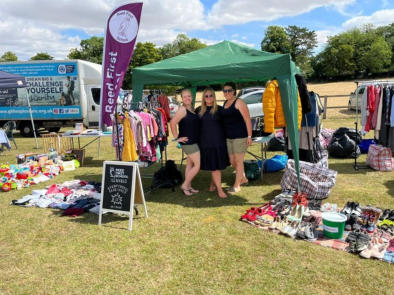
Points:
(208, 95)
(228, 90)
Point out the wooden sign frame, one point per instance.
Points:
(136, 191)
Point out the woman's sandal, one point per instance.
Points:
(193, 191)
(245, 182)
(186, 191)
(232, 190)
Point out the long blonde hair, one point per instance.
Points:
(187, 90)
(204, 104)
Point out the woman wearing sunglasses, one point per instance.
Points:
(238, 132)
(214, 156)
(189, 133)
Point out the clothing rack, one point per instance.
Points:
(365, 83)
(139, 106)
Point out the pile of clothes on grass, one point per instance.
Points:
(75, 197)
(18, 176)
(366, 230)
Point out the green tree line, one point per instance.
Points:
(357, 53)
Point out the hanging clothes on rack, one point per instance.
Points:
(141, 133)
(273, 110)
(164, 104)
(376, 111)
(129, 152)
(310, 149)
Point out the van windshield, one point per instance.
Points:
(96, 95)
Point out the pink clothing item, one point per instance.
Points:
(66, 191)
(146, 150)
(376, 110)
(370, 107)
(53, 189)
(155, 128)
(133, 127)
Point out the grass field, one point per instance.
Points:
(188, 245)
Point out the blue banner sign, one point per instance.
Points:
(52, 88)
(41, 113)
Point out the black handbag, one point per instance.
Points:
(252, 169)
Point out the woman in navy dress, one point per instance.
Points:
(213, 149)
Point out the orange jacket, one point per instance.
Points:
(273, 110)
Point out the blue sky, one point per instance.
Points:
(63, 24)
(326, 19)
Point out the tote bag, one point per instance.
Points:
(380, 158)
(316, 181)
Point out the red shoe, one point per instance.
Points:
(258, 212)
(300, 199)
(248, 213)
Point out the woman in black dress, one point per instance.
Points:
(213, 148)
(189, 132)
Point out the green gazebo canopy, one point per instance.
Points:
(223, 62)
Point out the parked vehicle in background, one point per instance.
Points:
(174, 105)
(254, 101)
(60, 92)
(353, 104)
(249, 89)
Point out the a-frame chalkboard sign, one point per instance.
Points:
(121, 189)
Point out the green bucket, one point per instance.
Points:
(333, 224)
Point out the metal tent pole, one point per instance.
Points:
(32, 122)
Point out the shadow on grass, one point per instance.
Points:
(348, 168)
(269, 196)
(90, 162)
(204, 199)
(347, 112)
(390, 187)
(107, 220)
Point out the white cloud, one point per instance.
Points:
(41, 25)
(209, 41)
(243, 43)
(322, 38)
(225, 12)
(378, 18)
(26, 39)
(385, 3)
(31, 26)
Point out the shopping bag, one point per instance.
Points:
(276, 163)
(380, 158)
(316, 181)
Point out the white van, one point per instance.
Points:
(60, 92)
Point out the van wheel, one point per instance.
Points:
(54, 129)
(26, 129)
